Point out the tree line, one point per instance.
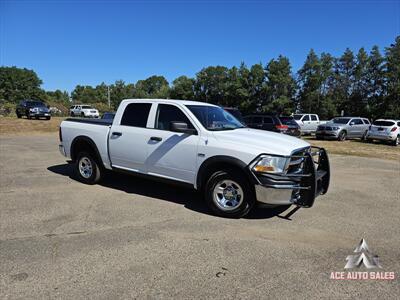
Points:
(361, 83)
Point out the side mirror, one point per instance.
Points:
(181, 127)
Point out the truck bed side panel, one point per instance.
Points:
(93, 130)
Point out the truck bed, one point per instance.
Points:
(91, 121)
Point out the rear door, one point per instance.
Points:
(172, 155)
(306, 121)
(129, 137)
(314, 122)
(268, 124)
(357, 129)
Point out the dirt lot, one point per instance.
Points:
(131, 238)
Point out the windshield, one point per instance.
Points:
(287, 120)
(383, 123)
(214, 118)
(236, 113)
(35, 103)
(297, 117)
(340, 120)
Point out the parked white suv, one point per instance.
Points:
(308, 122)
(200, 145)
(385, 130)
(85, 111)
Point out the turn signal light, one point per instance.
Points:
(264, 168)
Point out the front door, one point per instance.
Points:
(129, 137)
(171, 155)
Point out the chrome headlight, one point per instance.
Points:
(334, 128)
(270, 164)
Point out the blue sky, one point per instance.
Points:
(70, 42)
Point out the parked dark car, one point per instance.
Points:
(108, 116)
(286, 125)
(32, 109)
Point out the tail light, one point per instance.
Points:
(60, 134)
(394, 129)
(281, 127)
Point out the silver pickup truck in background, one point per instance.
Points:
(308, 122)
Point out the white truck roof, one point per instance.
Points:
(184, 102)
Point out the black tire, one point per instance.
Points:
(93, 177)
(19, 116)
(396, 141)
(48, 118)
(246, 201)
(369, 140)
(342, 136)
(82, 115)
(72, 114)
(364, 137)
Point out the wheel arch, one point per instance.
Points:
(84, 143)
(221, 162)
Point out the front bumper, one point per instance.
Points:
(381, 137)
(39, 114)
(305, 180)
(327, 134)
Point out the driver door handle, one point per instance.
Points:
(156, 138)
(117, 133)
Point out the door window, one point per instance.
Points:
(358, 122)
(167, 113)
(257, 120)
(268, 120)
(136, 115)
(313, 118)
(306, 118)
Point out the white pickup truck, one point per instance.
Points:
(201, 145)
(308, 122)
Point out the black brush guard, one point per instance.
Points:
(310, 181)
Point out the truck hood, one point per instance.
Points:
(261, 141)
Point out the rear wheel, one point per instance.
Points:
(82, 115)
(48, 118)
(396, 142)
(229, 194)
(87, 168)
(364, 137)
(18, 116)
(342, 136)
(72, 114)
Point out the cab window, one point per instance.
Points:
(167, 113)
(136, 115)
(306, 118)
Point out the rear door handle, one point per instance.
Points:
(156, 138)
(117, 133)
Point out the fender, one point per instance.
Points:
(88, 140)
(223, 160)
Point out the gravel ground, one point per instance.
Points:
(131, 238)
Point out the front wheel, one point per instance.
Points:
(87, 169)
(342, 136)
(229, 195)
